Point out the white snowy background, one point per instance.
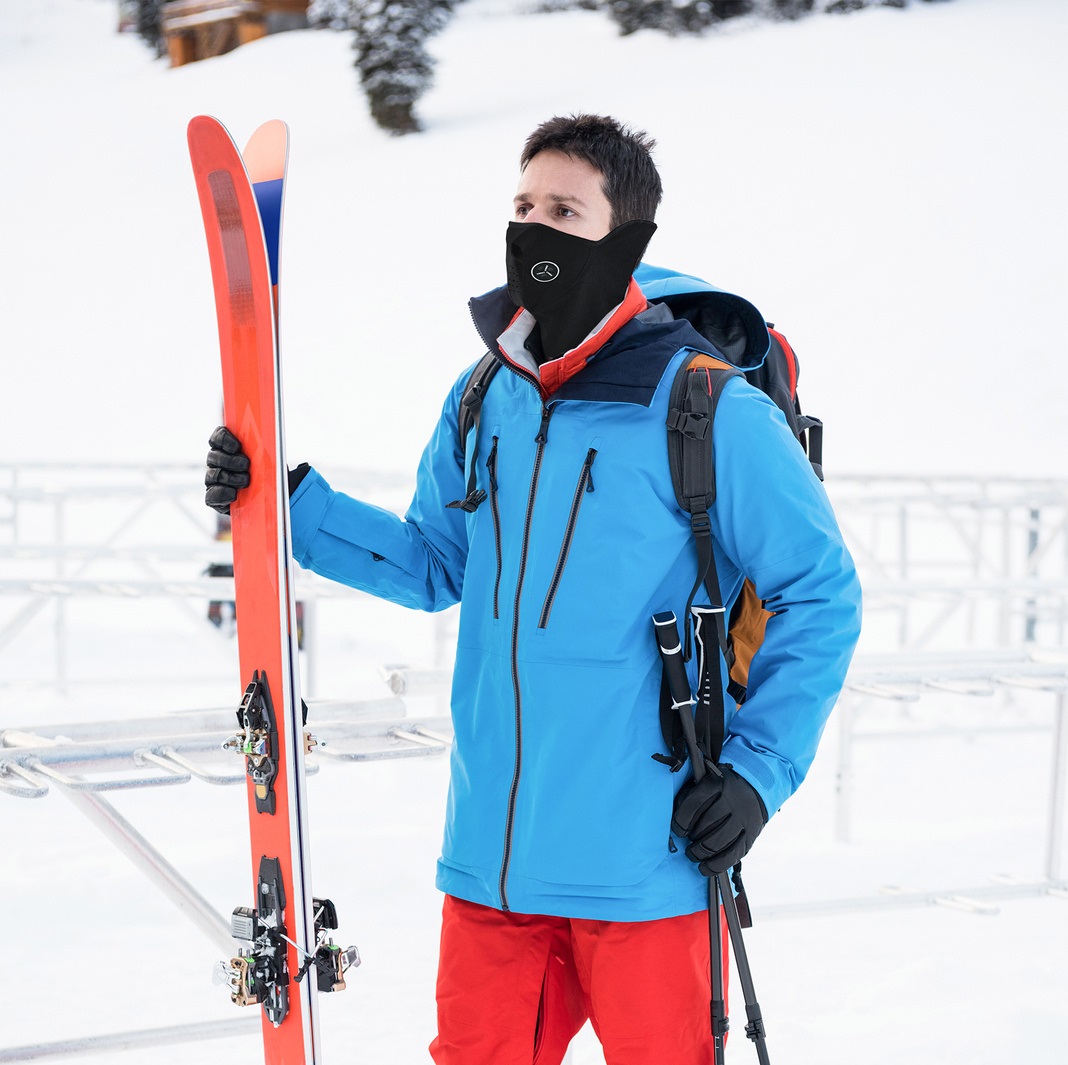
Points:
(888, 187)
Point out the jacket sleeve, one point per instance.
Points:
(418, 560)
(773, 523)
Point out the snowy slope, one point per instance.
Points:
(888, 187)
(885, 186)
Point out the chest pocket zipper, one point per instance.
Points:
(584, 486)
(495, 510)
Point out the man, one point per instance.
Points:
(570, 889)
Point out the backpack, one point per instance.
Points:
(694, 394)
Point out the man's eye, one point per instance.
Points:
(521, 210)
(565, 212)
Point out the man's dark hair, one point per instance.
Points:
(630, 180)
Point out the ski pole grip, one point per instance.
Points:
(666, 626)
(670, 645)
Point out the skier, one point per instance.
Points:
(573, 863)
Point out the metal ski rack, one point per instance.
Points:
(190, 744)
(905, 678)
(84, 761)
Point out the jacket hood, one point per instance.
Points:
(491, 312)
(732, 324)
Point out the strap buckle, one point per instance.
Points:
(689, 423)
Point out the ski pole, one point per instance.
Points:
(754, 1030)
(719, 887)
(669, 643)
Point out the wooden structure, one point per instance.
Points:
(199, 29)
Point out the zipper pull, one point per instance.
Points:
(588, 468)
(543, 431)
(491, 465)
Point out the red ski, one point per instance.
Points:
(285, 930)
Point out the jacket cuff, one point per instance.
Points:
(308, 505)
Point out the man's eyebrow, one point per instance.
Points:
(556, 197)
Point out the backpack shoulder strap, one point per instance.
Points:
(692, 403)
(474, 392)
(468, 417)
(695, 392)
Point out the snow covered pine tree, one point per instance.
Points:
(391, 56)
(148, 24)
(695, 16)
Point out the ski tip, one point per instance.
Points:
(205, 133)
(201, 122)
(210, 146)
(265, 153)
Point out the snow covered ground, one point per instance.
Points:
(888, 187)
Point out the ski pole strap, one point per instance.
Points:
(710, 710)
(666, 626)
(741, 899)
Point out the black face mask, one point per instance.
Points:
(569, 283)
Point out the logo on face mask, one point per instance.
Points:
(545, 271)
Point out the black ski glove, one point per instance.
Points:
(228, 471)
(721, 816)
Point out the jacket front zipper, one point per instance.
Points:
(495, 510)
(540, 440)
(585, 484)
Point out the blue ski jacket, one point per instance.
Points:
(556, 805)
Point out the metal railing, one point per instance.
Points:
(949, 563)
(73, 530)
(958, 561)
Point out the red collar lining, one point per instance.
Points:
(555, 373)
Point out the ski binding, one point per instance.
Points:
(260, 972)
(257, 740)
(330, 961)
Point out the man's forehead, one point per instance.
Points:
(555, 197)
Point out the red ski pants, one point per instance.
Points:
(514, 989)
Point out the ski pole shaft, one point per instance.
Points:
(718, 1005)
(754, 1030)
(708, 713)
